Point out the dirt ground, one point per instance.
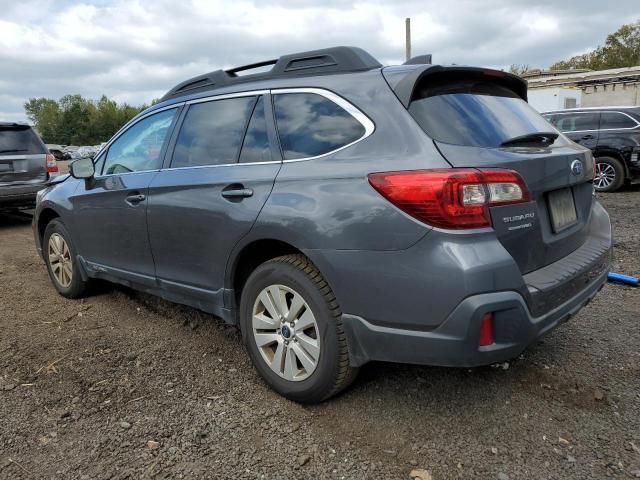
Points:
(122, 385)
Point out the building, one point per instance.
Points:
(558, 89)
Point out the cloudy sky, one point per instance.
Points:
(134, 50)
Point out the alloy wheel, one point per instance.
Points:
(60, 260)
(605, 175)
(286, 332)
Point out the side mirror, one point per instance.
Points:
(82, 168)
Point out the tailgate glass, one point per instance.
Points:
(474, 112)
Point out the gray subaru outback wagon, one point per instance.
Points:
(339, 212)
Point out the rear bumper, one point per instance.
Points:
(524, 307)
(455, 342)
(19, 195)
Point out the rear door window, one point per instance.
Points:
(577, 121)
(20, 140)
(212, 132)
(310, 125)
(475, 113)
(611, 120)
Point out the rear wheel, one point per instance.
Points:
(609, 175)
(292, 328)
(60, 257)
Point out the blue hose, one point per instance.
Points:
(626, 279)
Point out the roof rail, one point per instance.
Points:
(314, 62)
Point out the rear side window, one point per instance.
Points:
(576, 121)
(212, 132)
(256, 142)
(474, 113)
(616, 120)
(310, 125)
(20, 140)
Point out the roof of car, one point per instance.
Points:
(14, 124)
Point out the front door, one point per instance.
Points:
(111, 210)
(222, 169)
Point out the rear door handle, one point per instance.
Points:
(236, 191)
(587, 137)
(135, 198)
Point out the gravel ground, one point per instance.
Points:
(122, 385)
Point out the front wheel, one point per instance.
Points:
(609, 175)
(60, 257)
(292, 328)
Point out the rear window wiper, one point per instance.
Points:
(537, 138)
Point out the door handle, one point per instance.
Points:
(236, 191)
(587, 137)
(135, 198)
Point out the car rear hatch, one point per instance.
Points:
(23, 156)
(479, 118)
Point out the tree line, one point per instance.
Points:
(621, 49)
(75, 120)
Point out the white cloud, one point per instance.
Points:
(136, 50)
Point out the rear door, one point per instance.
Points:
(581, 127)
(22, 156)
(474, 121)
(221, 170)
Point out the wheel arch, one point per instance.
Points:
(598, 153)
(248, 257)
(45, 217)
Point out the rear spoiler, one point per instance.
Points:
(404, 79)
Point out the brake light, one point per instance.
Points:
(454, 198)
(486, 330)
(52, 166)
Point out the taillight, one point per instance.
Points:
(486, 330)
(52, 166)
(454, 198)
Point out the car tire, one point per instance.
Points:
(309, 361)
(60, 255)
(609, 175)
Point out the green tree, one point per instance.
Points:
(74, 120)
(44, 113)
(621, 49)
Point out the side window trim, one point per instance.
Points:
(105, 151)
(361, 117)
(276, 149)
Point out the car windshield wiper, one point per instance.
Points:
(538, 138)
(14, 150)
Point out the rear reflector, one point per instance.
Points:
(52, 166)
(486, 330)
(454, 198)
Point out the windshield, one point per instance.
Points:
(20, 140)
(474, 113)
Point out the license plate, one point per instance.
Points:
(562, 208)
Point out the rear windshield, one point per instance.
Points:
(474, 113)
(20, 140)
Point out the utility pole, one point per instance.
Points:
(407, 25)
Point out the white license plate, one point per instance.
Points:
(562, 208)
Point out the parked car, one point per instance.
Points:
(25, 165)
(612, 133)
(58, 151)
(340, 212)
